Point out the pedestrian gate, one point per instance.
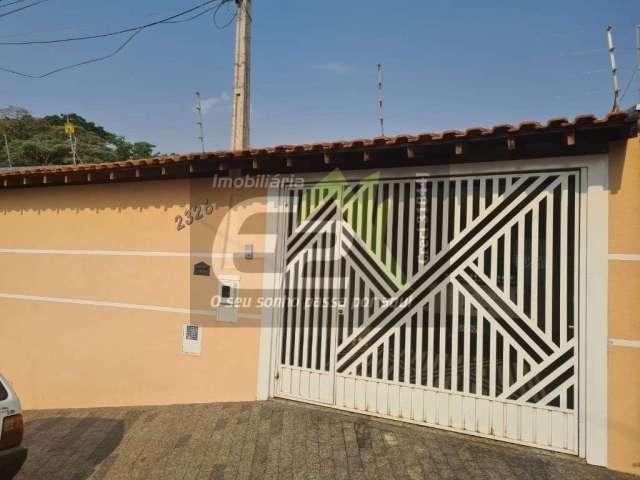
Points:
(450, 302)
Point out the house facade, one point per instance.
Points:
(484, 281)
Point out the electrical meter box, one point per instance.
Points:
(229, 298)
(191, 339)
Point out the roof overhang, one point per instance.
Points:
(558, 137)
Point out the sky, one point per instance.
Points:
(447, 65)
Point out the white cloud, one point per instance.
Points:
(208, 103)
(335, 67)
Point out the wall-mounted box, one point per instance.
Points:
(191, 339)
(229, 298)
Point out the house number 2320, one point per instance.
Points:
(194, 213)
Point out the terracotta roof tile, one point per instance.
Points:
(427, 137)
(557, 122)
(503, 128)
(616, 116)
(583, 120)
(450, 134)
(527, 127)
(476, 131)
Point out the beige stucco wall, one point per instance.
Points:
(87, 330)
(75, 355)
(624, 305)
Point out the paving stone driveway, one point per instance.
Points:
(274, 439)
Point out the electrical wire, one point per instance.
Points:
(134, 33)
(65, 28)
(16, 10)
(117, 32)
(215, 17)
(79, 64)
(626, 89)
(4, 5)
(197, 15)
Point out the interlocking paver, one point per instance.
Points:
(213, 462)
(270, 440)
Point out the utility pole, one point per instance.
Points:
(240, 128)
(199, 122)
(381, 100)
(70, 129)
(614, 71)
(638, 62)
(6, 145)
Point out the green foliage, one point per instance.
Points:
(81, 122)
(43, 141)
(134, 150)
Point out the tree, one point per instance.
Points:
(81, 122)
(123, 149)
(43, 141)
(13, 113)
(142, 150)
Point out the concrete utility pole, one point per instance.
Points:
(614, 70)
(199, 122)
(240, 128)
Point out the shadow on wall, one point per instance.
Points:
(66, 447)
(119, 197)
(617, 156)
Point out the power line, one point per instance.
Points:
(15, 2)
(121, 47)
(637, 67)
(64, 28)
(16, 10)
(626, 89)
(79, 64)
(193, 17)
(215, 17)
(118, 32)
(52, 30)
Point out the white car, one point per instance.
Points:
(12, 453)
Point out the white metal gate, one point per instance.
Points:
(451, 302)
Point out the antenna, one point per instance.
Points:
(199, 122)
(381, 99)
(6, 145)
(614, 71)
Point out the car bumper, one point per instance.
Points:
(11, 461)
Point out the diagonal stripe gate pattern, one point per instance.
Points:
(447, 301)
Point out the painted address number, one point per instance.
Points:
(194, 213)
